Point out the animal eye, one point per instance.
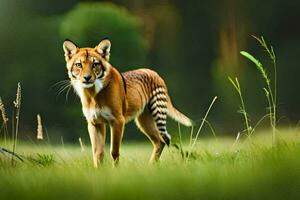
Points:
(95, 65)
(78, 65)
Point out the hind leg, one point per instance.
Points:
(147, 125)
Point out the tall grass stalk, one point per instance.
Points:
(270, 90)
(192, 146)
(211, 129)
(5, 120)
(180, 141)
(237, 87)
(12, 128)
(191, 136)
(17, 105)
(270, 51)
(81, 144)
(192, 132)
(236, 140)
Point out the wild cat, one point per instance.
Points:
(109, 97)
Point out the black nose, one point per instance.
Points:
(87, 78)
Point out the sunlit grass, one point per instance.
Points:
(253, 169)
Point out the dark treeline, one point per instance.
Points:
(194, 45)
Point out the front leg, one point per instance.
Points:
(97, 136)
(116, 128)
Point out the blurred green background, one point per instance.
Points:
(194, 45)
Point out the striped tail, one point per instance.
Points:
(178, 116)
(160, 106)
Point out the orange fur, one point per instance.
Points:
(111, 98)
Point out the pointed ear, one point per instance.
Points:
(103, 48)
(70, 49)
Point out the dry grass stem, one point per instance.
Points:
(17, 104)
(81, 144)
(39, 128)
(5, 120)
(3, 112)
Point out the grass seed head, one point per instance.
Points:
(3, 112)
(39, 128)
(17, 102)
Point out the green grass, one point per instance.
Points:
(270, 88)
(253, 169)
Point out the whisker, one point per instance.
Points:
(59, 83)
(63, 88)
(67, 93)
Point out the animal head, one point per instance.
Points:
(87, 67)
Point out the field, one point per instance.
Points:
(218, 168)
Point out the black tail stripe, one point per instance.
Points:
(160, 94)
(162, 112)
(156, 113)
(152, 109)
(161, 98)
(159, 113)
(151, 104)
(161, 106)
(161, 124)
(159, 118)
(162, 129)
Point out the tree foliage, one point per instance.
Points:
(88, 23)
